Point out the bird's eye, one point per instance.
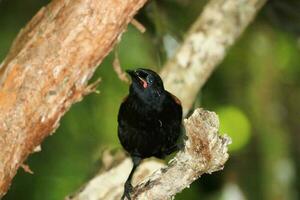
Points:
(149, 80)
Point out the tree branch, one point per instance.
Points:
(216, 29)
(205, 46)
(205, 152)
(47, 70)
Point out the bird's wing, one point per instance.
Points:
(177, 101)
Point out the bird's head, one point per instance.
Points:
(146, 83)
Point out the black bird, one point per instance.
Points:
(149, 120)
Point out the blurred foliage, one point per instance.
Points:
(255, 91)
(240, 132)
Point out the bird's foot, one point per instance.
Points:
(174, 148)
(127, 190)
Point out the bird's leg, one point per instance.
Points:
(128, 187)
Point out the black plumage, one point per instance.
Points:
(149, 120)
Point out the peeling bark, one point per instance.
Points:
(47, 70)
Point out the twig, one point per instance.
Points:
(138, 25)
(118, 69)
(26, 168)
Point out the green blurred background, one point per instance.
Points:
(255, 91)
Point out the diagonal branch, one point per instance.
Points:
(206, 45)
(47, 70)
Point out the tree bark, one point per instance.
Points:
(47, 70)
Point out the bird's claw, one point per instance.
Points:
(127, 190)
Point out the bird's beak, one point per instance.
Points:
(131, 73)
(137, 78)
